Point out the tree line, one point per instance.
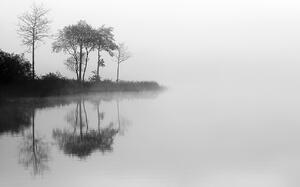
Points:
(78, 41)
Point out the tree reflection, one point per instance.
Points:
(34, 151)
(100, 115)
(123, 122)
(83, 144)
(89, 132)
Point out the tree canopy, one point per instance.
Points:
(79, 40)
(73, 39)
(14, 68)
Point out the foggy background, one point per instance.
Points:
(249, 45)
(236, 120)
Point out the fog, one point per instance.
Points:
(229, 118)
(179, 42)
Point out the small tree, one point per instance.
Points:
(104, 41)
(121, 55)
(34, 26)
(72, 64)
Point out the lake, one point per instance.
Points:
(178, 137)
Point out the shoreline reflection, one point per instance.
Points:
(91, 126)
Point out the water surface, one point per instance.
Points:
(174, 138)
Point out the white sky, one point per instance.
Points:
(175, 41)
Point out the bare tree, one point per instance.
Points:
(33, 27)
(121, 54)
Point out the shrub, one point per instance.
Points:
(53, 77)
(14, 68)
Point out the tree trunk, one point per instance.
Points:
(76, 67)
(80, 62)
(97, 75)
(33, 43)
(86, 61)
(76, 71)
(98, 66)
(118, 70)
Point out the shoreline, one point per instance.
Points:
(66, 87)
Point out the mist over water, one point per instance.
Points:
(229, 115)
(179, 137)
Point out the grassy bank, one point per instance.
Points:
(57, 87)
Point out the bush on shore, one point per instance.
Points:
(16, 81)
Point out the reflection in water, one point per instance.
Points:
(34, 151)
(81, 143)
(14, 118)
(88, 130)
(100, 115)
(123, 122)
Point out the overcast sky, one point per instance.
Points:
(173, 41)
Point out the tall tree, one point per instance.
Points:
(72, 40)
(121, 55)
(33, 27)
(104, 40)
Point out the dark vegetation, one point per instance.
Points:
(13, 68)
(16, 81)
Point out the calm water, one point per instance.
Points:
(175, 138)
